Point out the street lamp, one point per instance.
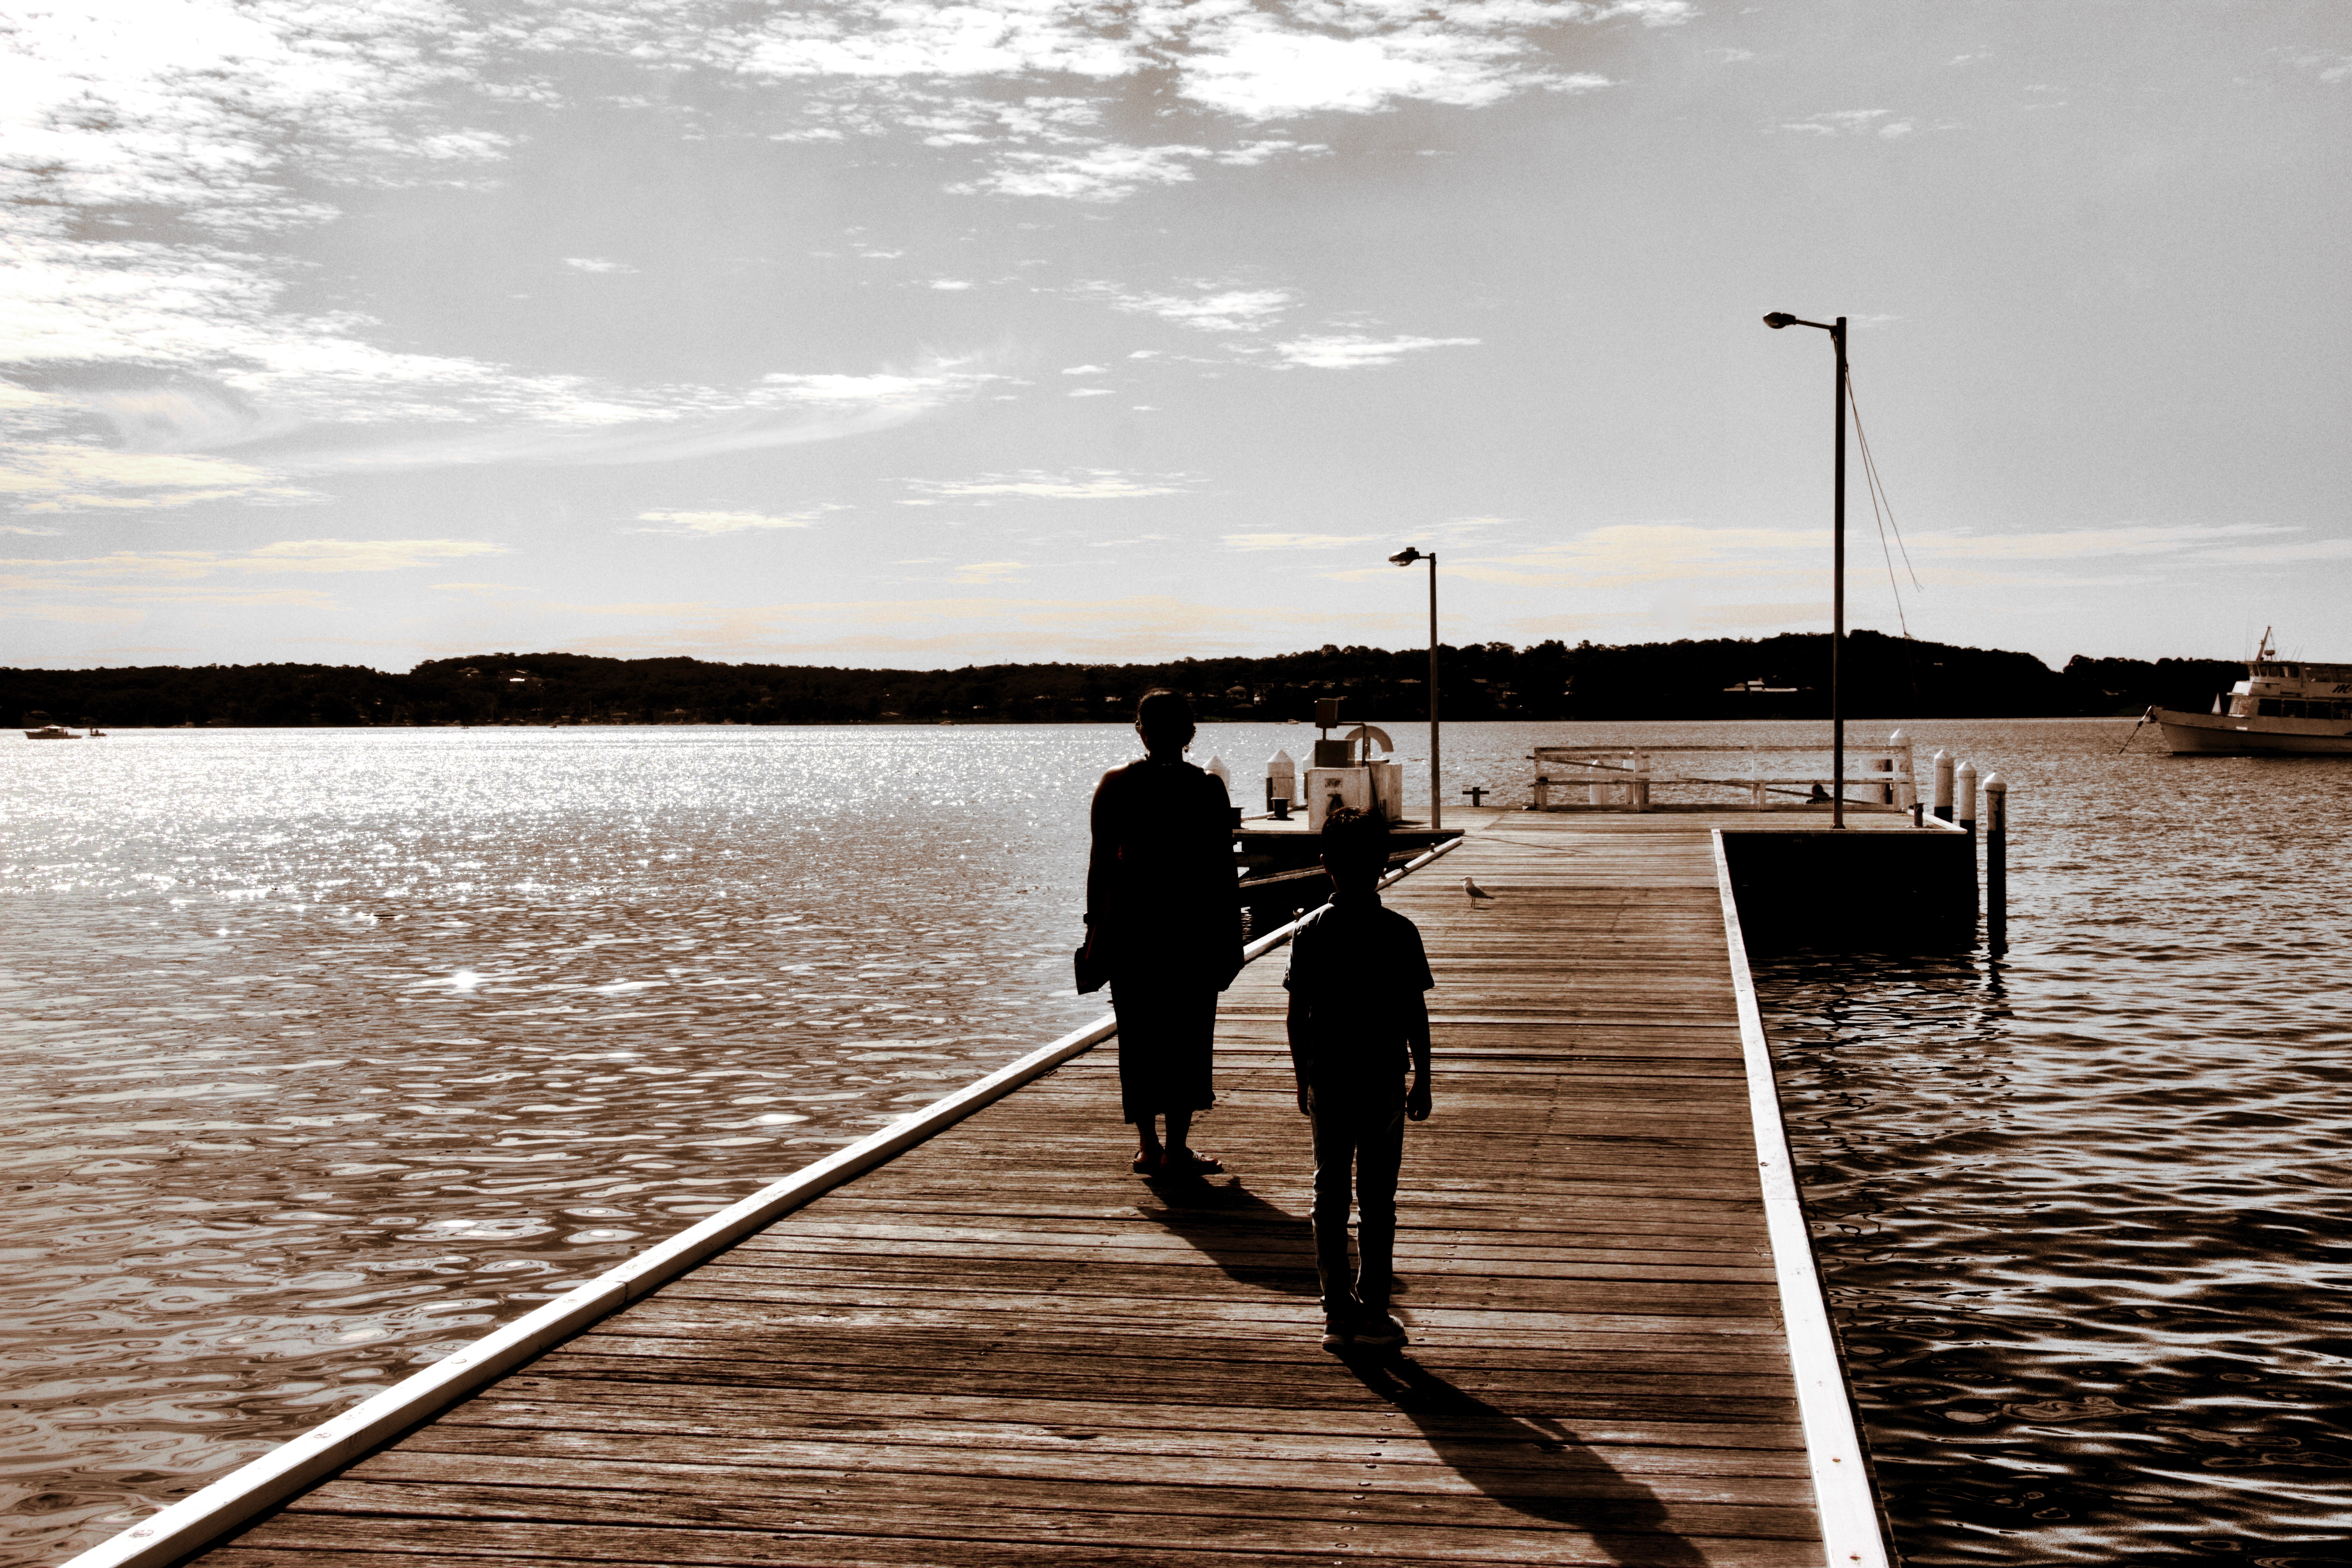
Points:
(1776, 321)
(1406, 557)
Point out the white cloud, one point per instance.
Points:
(1296, 541)
(1259, 69)
(1837, 123)
(596, 264)
(2328, 65)
(1349, 352)
(951, 285)
(1090, 392)
(985, 572)
(1086, 370)
(1225, 310)
(1103, 171)
(293, 556)
(710, 523)
(55, 476)
(1076, 484)
(2089, 543)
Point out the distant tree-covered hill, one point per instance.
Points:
(1783, 677)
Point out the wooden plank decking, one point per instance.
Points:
(1002, 1348)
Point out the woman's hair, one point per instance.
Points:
(1164, 710)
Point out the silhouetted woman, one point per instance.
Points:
(1165, 923)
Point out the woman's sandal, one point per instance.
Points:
(1147, 1163)
(1190, 1163)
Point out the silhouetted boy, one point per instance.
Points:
(1356, 979)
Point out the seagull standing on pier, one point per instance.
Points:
(1476, 891)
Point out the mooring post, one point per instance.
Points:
(1996, 864)
(1906, 786)
(1943, 786)
(1968, 782)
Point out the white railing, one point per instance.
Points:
(1626, 777)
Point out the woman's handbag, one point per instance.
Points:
(1090, 974)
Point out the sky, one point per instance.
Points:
(888, 333)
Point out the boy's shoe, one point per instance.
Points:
(1341, 1319)
(1376, 1330)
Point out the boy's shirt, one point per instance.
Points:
(1356, 964)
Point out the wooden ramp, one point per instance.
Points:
(1002, 1348)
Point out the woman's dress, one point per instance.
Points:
(1166, 926)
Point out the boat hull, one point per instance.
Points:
(2229, 735)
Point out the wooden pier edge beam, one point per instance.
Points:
(301, 1462)
(1852, 1527)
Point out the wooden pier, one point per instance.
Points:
(1002, 1348)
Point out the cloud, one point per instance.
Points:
(1075, 484)
(1840, 122)
(1296, 541)
(51, 477)
(2329, 66)
(1086, 370)
(293, 555)
(1224, 310)
(878, 65)
(712, 522)
(596, 264)
(965, 629)
(987, 573)
(113, 587)
(1627, 554)
(1349, 352)
(1256, 68)
(2090, 543)
(950, 285)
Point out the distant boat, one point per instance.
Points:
(51, 732)
(2283, 708)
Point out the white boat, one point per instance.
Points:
(51, 732)
(2283, 708)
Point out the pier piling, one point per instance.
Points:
(1996, 864)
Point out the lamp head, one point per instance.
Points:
(1406, 556)
(1780, 319)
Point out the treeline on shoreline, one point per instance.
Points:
(1782, 677)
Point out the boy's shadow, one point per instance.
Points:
(1530, 1464)
(1525, 1462)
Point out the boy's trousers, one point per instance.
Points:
(1359, 1133)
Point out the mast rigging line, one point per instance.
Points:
(1881, 508)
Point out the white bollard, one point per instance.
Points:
(1223, 775)
(1968, 806)
(1943, 786)
(1906, 786)
(1281, 780)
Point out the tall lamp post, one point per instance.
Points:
(1406, 557)
(1776, 321)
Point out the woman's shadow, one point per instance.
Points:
(1254, 1242)
(1529, 1464)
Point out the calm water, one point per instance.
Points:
(2084, 1210)
(329, 1050)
